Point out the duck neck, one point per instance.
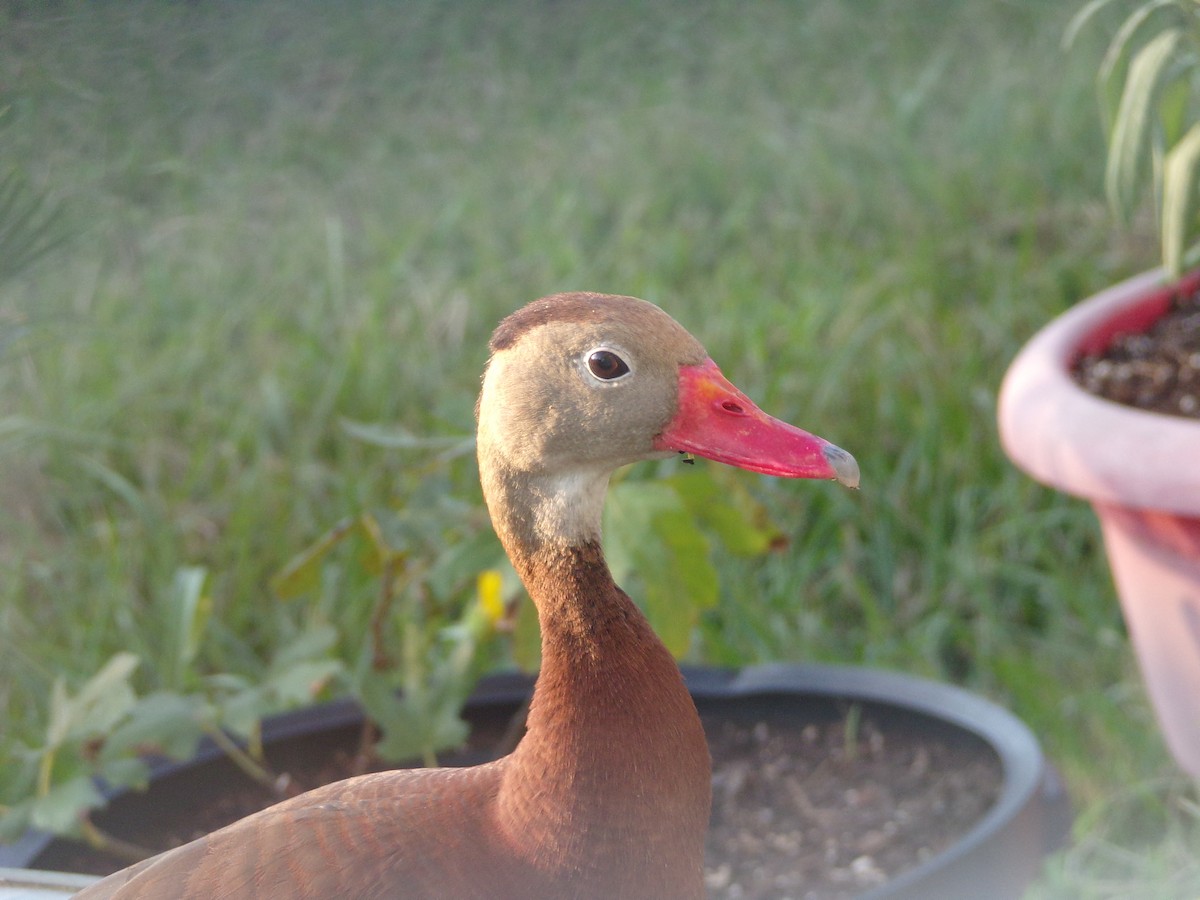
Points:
(614, 755)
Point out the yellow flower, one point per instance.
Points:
(489, 585)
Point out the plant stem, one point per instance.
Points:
(850, 735)
(45, 773)
(381, 660)
(102, 840)
(245, 762)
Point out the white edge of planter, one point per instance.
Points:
(1083, 445)
(28, 884)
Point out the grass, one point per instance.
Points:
(285, 216)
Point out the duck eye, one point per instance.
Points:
(606, 365)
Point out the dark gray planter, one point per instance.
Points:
(997, 858)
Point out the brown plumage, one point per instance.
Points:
(608, 793)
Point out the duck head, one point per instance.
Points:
(580, 384)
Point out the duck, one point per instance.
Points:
(608, 792)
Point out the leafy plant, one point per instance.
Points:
(93, 737)
(1149, 84)
(662, 538)
(443, 593)
(421, 650)
(100, 737)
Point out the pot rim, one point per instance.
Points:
(1087, 446)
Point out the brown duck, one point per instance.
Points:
(607, 795)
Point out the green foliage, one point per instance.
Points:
(1139, 841)
(440, 602)
(439, 606)
(293, 216)
(30, 224)
(423, 646)
(661, 538)
(1149, 82)
(100, 734)
(27, 225)
(95, 733)
(297, 674)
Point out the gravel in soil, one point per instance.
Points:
(834, 809)
(1157, 370)
(801, 809)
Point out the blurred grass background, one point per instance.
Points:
(286, 214)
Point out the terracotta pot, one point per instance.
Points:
(996, 858)
(1141, 473)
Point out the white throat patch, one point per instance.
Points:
(567, 507)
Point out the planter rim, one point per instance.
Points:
(1084, 445)
(1015, 810)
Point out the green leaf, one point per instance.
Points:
(377, 553)
(242, 712)
(61, 714)
(400, 727)
(106, 697)
(1124, 35)
(166, 722)
(190, 609)
(1080, 19)
(1130, 138)
(303, 571)
(462, 561)
(226, 683)
(421, 731)
(726, 508)
(129, 771)
(122, 487)
(380, 700)
(59, 810)
(448, 728)
(300, 683)
(629, 514)
(301, 669)
(315, 642)
(395, 437)
(680, 580)
(18, 771)
(14, 820)
(30, 225)
(297, 673)
(653, 535)
(1173, 110)
(1179, 199)
(102, 701)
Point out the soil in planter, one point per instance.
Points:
(837, 808)
(1157, 370)
(801, 809)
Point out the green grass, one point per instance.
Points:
(285, 216)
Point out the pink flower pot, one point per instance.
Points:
(1141, 473)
